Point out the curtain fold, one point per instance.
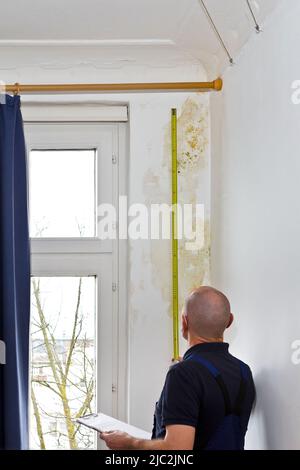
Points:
(14, 278)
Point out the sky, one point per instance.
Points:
(62, 193)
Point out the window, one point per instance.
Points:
(78, 307)
(62, 193)
(63, 361)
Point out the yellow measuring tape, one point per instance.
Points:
(174, 237)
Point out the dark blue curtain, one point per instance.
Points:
(14, 277)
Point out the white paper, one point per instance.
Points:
(101, 423)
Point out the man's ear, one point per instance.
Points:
(231, 318)
(184, 325)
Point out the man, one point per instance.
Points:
(207, 398)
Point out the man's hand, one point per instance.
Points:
(117, 440)
(178, 437)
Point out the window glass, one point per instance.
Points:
(62, 193)
(63, 350)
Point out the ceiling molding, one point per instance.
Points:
(86, 42)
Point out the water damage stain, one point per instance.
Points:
(192, 136)
(193, 168)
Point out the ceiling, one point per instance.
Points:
(111, 33)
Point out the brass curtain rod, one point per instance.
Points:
(18, 88)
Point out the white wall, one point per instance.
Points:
(255, 220)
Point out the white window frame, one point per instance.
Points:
(105, 259)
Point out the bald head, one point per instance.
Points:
(208, 312)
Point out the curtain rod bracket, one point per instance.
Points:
(17, 89)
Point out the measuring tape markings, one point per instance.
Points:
(174, 235)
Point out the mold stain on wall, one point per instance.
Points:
(192, 136)
(193, 169)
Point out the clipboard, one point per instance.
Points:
(101, 423)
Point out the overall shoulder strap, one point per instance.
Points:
(243, 388)
(217, 376)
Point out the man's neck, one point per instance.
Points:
(193, 341)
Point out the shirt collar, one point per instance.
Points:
(207, 347)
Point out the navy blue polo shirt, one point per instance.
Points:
(192, 397)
